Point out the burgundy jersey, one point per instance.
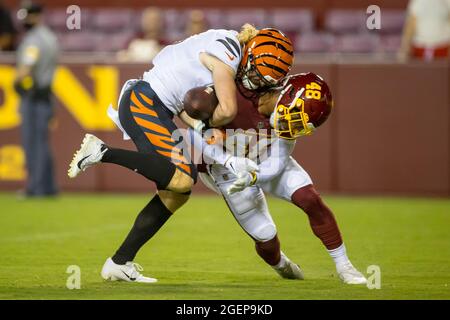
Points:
(248, 116)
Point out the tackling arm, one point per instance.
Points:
(214, 154)
(268, 169)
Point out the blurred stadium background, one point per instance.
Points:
(388, 136)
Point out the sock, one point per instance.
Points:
(152, 166)
(269, 251)
(283, 261)
(147, 224)
(339, 255)
(321, 219)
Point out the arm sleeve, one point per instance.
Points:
(212, 153)
(226, 48)
(272, 166)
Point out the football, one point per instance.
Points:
(200, 102)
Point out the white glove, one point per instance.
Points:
(239, 164)
(244, 180)
(198, 126)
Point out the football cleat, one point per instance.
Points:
(349, 275)
(90, 153)
(129, 272)
(290, 270)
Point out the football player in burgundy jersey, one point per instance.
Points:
(282, 115)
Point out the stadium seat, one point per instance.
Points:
(392, 21)
(78, 41)
(175, 20)
(341, 21)
(111, 20)
(174, 24)
(317, 42)
(390, 43)
(292, 20)
(356, 43)
(349, 25)
(215, 18)
(113, 42)
(56, 19)
(236, 18)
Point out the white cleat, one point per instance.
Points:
(349, 275)
(129, 272)
(290, 270)
(89, 154)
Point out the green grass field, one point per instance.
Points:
(203, 254)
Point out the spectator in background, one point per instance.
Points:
(7, 30)
(426, 34)
(36, 63)
(145, 48)
(196, 23)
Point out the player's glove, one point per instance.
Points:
(238, 164)
(199, 126)
(244, 179)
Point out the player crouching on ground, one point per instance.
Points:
(302, 104)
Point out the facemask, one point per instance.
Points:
(248, 84)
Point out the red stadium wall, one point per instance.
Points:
(388, 134)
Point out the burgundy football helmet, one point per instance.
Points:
(304, 104)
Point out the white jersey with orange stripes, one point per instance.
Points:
(177, 68)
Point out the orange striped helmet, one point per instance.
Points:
(267, 58)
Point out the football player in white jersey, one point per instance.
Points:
(255, 59)
(296, 109)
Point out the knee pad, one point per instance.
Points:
(250, 209)
(264, 232)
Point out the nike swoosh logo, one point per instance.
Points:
(79, 162)
(231, 57)
(132, 279)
